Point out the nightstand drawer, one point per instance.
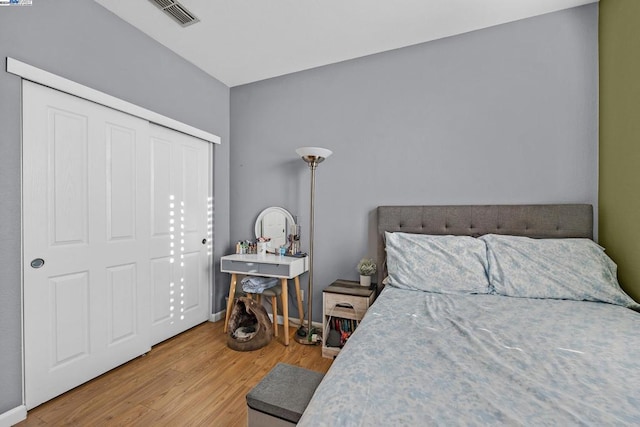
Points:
(359, 304)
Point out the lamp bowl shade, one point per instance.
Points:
(313, 152)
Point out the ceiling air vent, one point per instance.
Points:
(175, 10)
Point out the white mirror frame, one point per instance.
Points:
(274, 209)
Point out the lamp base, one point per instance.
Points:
(305, 338)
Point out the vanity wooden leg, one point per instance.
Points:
(232, 294)
(296, 280)
(285, 310)
(274, 305)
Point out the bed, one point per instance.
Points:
(548, 338)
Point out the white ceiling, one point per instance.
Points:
(243, 41)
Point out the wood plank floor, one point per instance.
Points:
(191, 379)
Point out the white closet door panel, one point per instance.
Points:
(163, 290)
(67, 196)
(85, 309)
(192, 190)
(122, 249)
(121, 182)
(163, 204)
(69, 311)
(190, 298)
(122, 301)
(181, 192)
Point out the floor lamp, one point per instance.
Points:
(313, 156)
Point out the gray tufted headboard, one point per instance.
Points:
(540, 221)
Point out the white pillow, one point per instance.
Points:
(442, 264)
(574, 269)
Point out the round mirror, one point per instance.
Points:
(273, 223)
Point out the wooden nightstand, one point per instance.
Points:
(346, 302)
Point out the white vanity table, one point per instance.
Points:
(269, 265)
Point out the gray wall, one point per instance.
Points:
(502, 115)
(84, 42)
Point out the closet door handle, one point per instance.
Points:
(37, 263)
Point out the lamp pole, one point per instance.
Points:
(312, 165)
(313, 156)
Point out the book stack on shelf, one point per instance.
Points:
(343, 329)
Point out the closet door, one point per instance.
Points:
(86, 187)
(180, 232)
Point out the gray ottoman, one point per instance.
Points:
(282, 396)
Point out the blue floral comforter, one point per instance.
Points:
(421, 358)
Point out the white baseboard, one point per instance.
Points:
(294, 322)
(13, 416)
(217, 316)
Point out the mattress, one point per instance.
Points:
(421, 358)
